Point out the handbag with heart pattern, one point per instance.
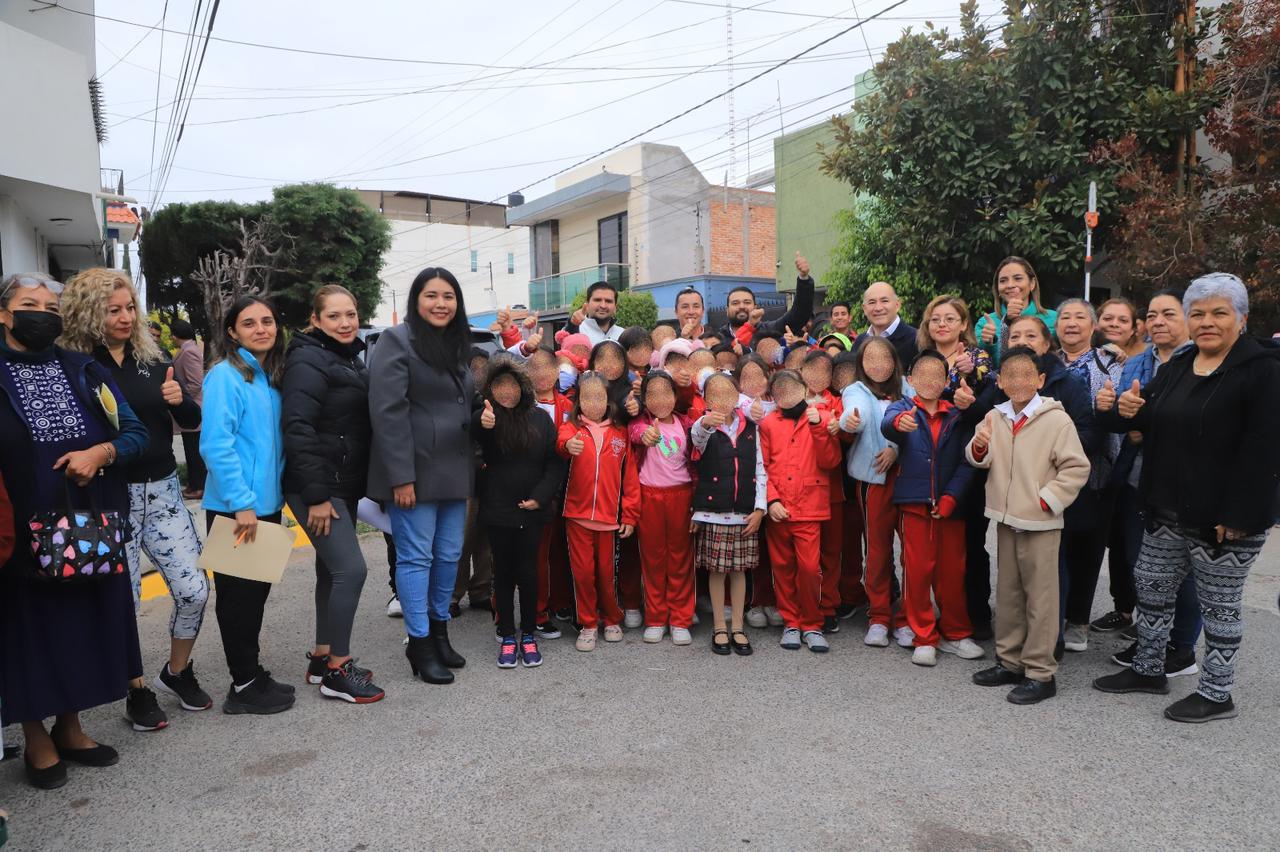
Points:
(74, 544)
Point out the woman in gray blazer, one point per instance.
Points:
(421, 399)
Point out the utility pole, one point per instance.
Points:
(1184, 72)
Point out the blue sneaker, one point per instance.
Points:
(529, 653)
(507, 657)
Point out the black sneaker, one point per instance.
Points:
(1130, 681)
(1125, 657)
(142, 709)
(547, 630)
(1130, 632)
(318, 667)
(1111, 622)
(273, 684)
(259, 698)
(1196, 708)
(847, 611)
(830, 624)
(565, 615)
(346, 683)
(1178, 663)
(184, 687)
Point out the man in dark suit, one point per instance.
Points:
(880, 305)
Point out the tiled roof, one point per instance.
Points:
(120, 214)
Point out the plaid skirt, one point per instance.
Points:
(722, 549)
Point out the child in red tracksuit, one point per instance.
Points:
(799, 451)
(816, 372)
(932, 477)
(554, 582)
(660, 441)
(602, 499)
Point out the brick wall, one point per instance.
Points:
(726, 234)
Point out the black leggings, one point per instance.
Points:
(515, 565)
(239, 605)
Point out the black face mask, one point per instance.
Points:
(796, 411)
(36, 330)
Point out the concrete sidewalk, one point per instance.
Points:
(656, 746)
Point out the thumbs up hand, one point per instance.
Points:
(964, 396)
(651, 436)
(802, 265)
(964, 364)
(1131, 401)
(989, 330)
(833, 426)
(791, 338)
(531, 321)
(982, 438)
(632, 405)
(1014, 309)
(815, 416)
(487, 418)
(575, 445)
(907, 422)
(171, 390)
(755, 316)
(533, 343)
(1106, 398)
(852, 420)
(504, 317)
(757, 410)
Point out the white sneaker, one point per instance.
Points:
(631, 619)
(653, 635)
(681, 636)
(393, 608)
(756, 617)
(1076, 637)
(965, 649)
(877, 636)
(905, 637)
(773, 616)
(612, 633)
(586, 639)
(925, 655)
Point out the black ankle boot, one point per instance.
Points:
(445, 652)
(424, 661)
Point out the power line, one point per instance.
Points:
(151, 168)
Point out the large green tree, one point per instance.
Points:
(330, 237)
(974, 148)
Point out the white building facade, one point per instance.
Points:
(51, 215)
(469, 238)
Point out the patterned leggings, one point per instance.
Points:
(1169, 552)
(163, 529)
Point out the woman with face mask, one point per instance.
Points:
(67, 645)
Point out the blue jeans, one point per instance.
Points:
(428, 544)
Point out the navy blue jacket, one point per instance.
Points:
(928, 472)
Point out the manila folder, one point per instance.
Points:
(264, 559)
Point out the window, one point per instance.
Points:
(475, 260)
(613, 239)
(546, 248)
(511, 263)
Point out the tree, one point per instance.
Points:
(334, 237)
(634, 309)
(173, 242)
(974, 151)
(224, 277)
(862, 257)
(1228, 218)
(337, 239)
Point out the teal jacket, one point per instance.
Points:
(997, 349)
(240, 440)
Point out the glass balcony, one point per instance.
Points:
(556, 292)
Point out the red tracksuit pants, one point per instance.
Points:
(933, 568)
(795, 548)
(666, 555)
(555, 584)
(880, 519)
(832, 535)
(852, 592)
(591, 561)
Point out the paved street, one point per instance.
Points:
(640, 746)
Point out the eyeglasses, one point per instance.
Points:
(939, 320)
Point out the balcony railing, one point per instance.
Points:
(556, 292)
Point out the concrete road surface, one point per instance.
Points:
(636, 746)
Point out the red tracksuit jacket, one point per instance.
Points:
(602, 478)
(798, 458)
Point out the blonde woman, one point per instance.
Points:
(100, 315)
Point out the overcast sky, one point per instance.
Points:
(519, 91)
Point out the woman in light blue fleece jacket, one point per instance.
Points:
(242, 447)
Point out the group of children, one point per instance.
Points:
(686, 453)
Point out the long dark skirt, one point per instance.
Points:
(65, 647)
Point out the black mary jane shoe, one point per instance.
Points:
(49, 778)
(743, 648)
(721, 648)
